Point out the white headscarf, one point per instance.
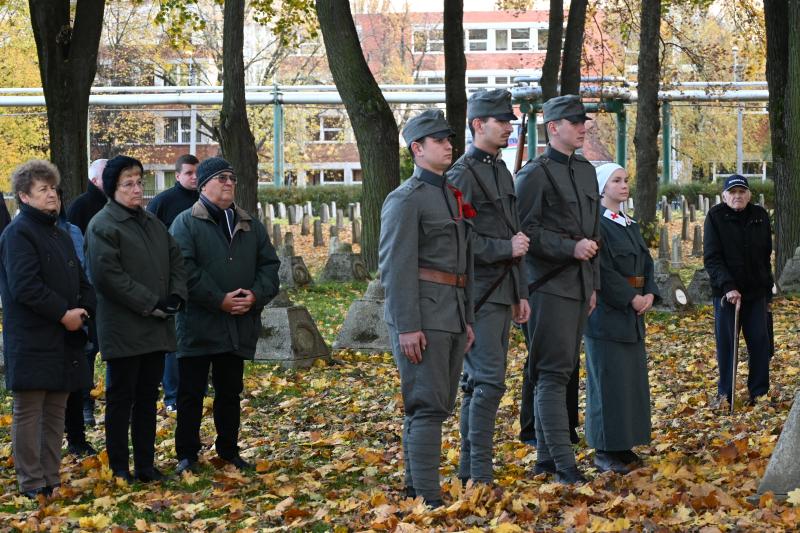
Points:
(604, 172)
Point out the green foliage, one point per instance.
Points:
(406, 163)
(673, 191)
(317, 195)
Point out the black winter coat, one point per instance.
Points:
(83, 208)
(737, 246)
(172, 202)
(40, 279)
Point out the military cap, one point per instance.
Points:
(429, 123)
(568, 106)
(495, 103)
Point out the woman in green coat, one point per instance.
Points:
(617, 390)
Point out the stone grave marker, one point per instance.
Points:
(292, 215)
(783, 471)
(699, 288)
(697, 242)
(281, 210)
(663, 244)
(790, 276)
(325, 214)
(343, 264)
(364, 328)
(677, 256)
(692, 213)
(318, 237)
(674, 295)
(685, 228)
(356, 231)
(305, 227)
(277, 239)
(340, 219)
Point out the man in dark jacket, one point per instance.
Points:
(232, 274)
(166, 206)
(737, 246)
(79, 213)
(84, 207)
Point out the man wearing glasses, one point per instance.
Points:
(232, 272)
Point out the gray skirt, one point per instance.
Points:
(617, 395)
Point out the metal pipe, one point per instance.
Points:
(277, 141)
(622, 137)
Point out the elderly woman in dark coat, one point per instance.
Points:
(617, 389)
(46, 300)
(137, 269)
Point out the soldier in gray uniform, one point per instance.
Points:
(560, 210)
(500, 286)
(425, 264)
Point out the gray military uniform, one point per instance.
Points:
(487, 184)
(555, 220)
(421, 228)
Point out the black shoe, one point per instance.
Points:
(186, 465)
(610, 462)
(88, 417)
(81, 449)
(434, 504)
(150, 474)
(464, 480)
(544, 467)
(410, 492)
(573, 436)
(570, 476)
(33, 494)
(48, 490)
(629, 457)
(124, 475)
(239, 463)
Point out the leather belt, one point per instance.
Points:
(445, 278)
(637, 282)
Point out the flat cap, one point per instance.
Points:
(568, 106)
(495, 103)
(429, 123)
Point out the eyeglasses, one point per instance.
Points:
(225, 177)
(132, 184)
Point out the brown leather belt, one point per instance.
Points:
(637, 282)
(445, 278)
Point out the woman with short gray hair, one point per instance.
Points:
(46, 302)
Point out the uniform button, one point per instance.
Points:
(74, 363)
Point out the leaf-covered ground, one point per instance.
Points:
(326, 446)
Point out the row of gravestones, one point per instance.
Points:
(295, 214)
(689, 211)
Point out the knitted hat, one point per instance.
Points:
(604, 173)
(211, 167)
(114, 168)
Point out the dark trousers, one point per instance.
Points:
(754, 322)
(170, 379)
(77, 402)
(227, 371)
(131, 401)
(527, 431)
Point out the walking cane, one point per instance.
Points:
(735, 352)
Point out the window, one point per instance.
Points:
(478, 80)
(357, 175)
(428, 40)
(477, 40)
(332, 175)
(501, 40)
(178, 130)
(329, 128)
(542, 39)
(501, 80)
(521, 39)
(430, 80)
(182, 74)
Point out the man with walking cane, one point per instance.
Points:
(737, 246)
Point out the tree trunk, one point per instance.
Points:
(235, 138)
(371, 117)
(783, 78)
(647, 119)
(67, 64)
(552, 60)
(573, 48)
(455, 71)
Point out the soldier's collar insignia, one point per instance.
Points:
(479, 155)
(620, 218)
(429, 177)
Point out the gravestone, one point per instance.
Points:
(697, 242)
(289, 336)
(292, 215)
(685, 228)
(309, 209)
(356, 231)
(700, 202)
(319, 240)
(339, 219)
(790, 276)
(699, 288)
(630, 204)
(783, 471)
(333, 231)
(692, 214)
(684, 207)
(281, 210)
(761, 201)
(357, 212)
(674, 295)
(344, 266)
(717, 200)
(270, 211)
(707, 206)
(305, 227)
(325, 214)
(364, 328)
(277, 239)
(333, 208)
(259, 211)
(293, 272)
(287, 250)
(667, 214)
(663, 243)
(677, 255)
(350, 209)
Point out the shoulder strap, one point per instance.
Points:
(558, 190)
(488, 196)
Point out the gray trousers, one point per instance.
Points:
(37, 431)
(429, 395)
(555, 330)
(483, 385)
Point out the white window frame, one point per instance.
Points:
(468, 41)
(427, 30)
(493, 28)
